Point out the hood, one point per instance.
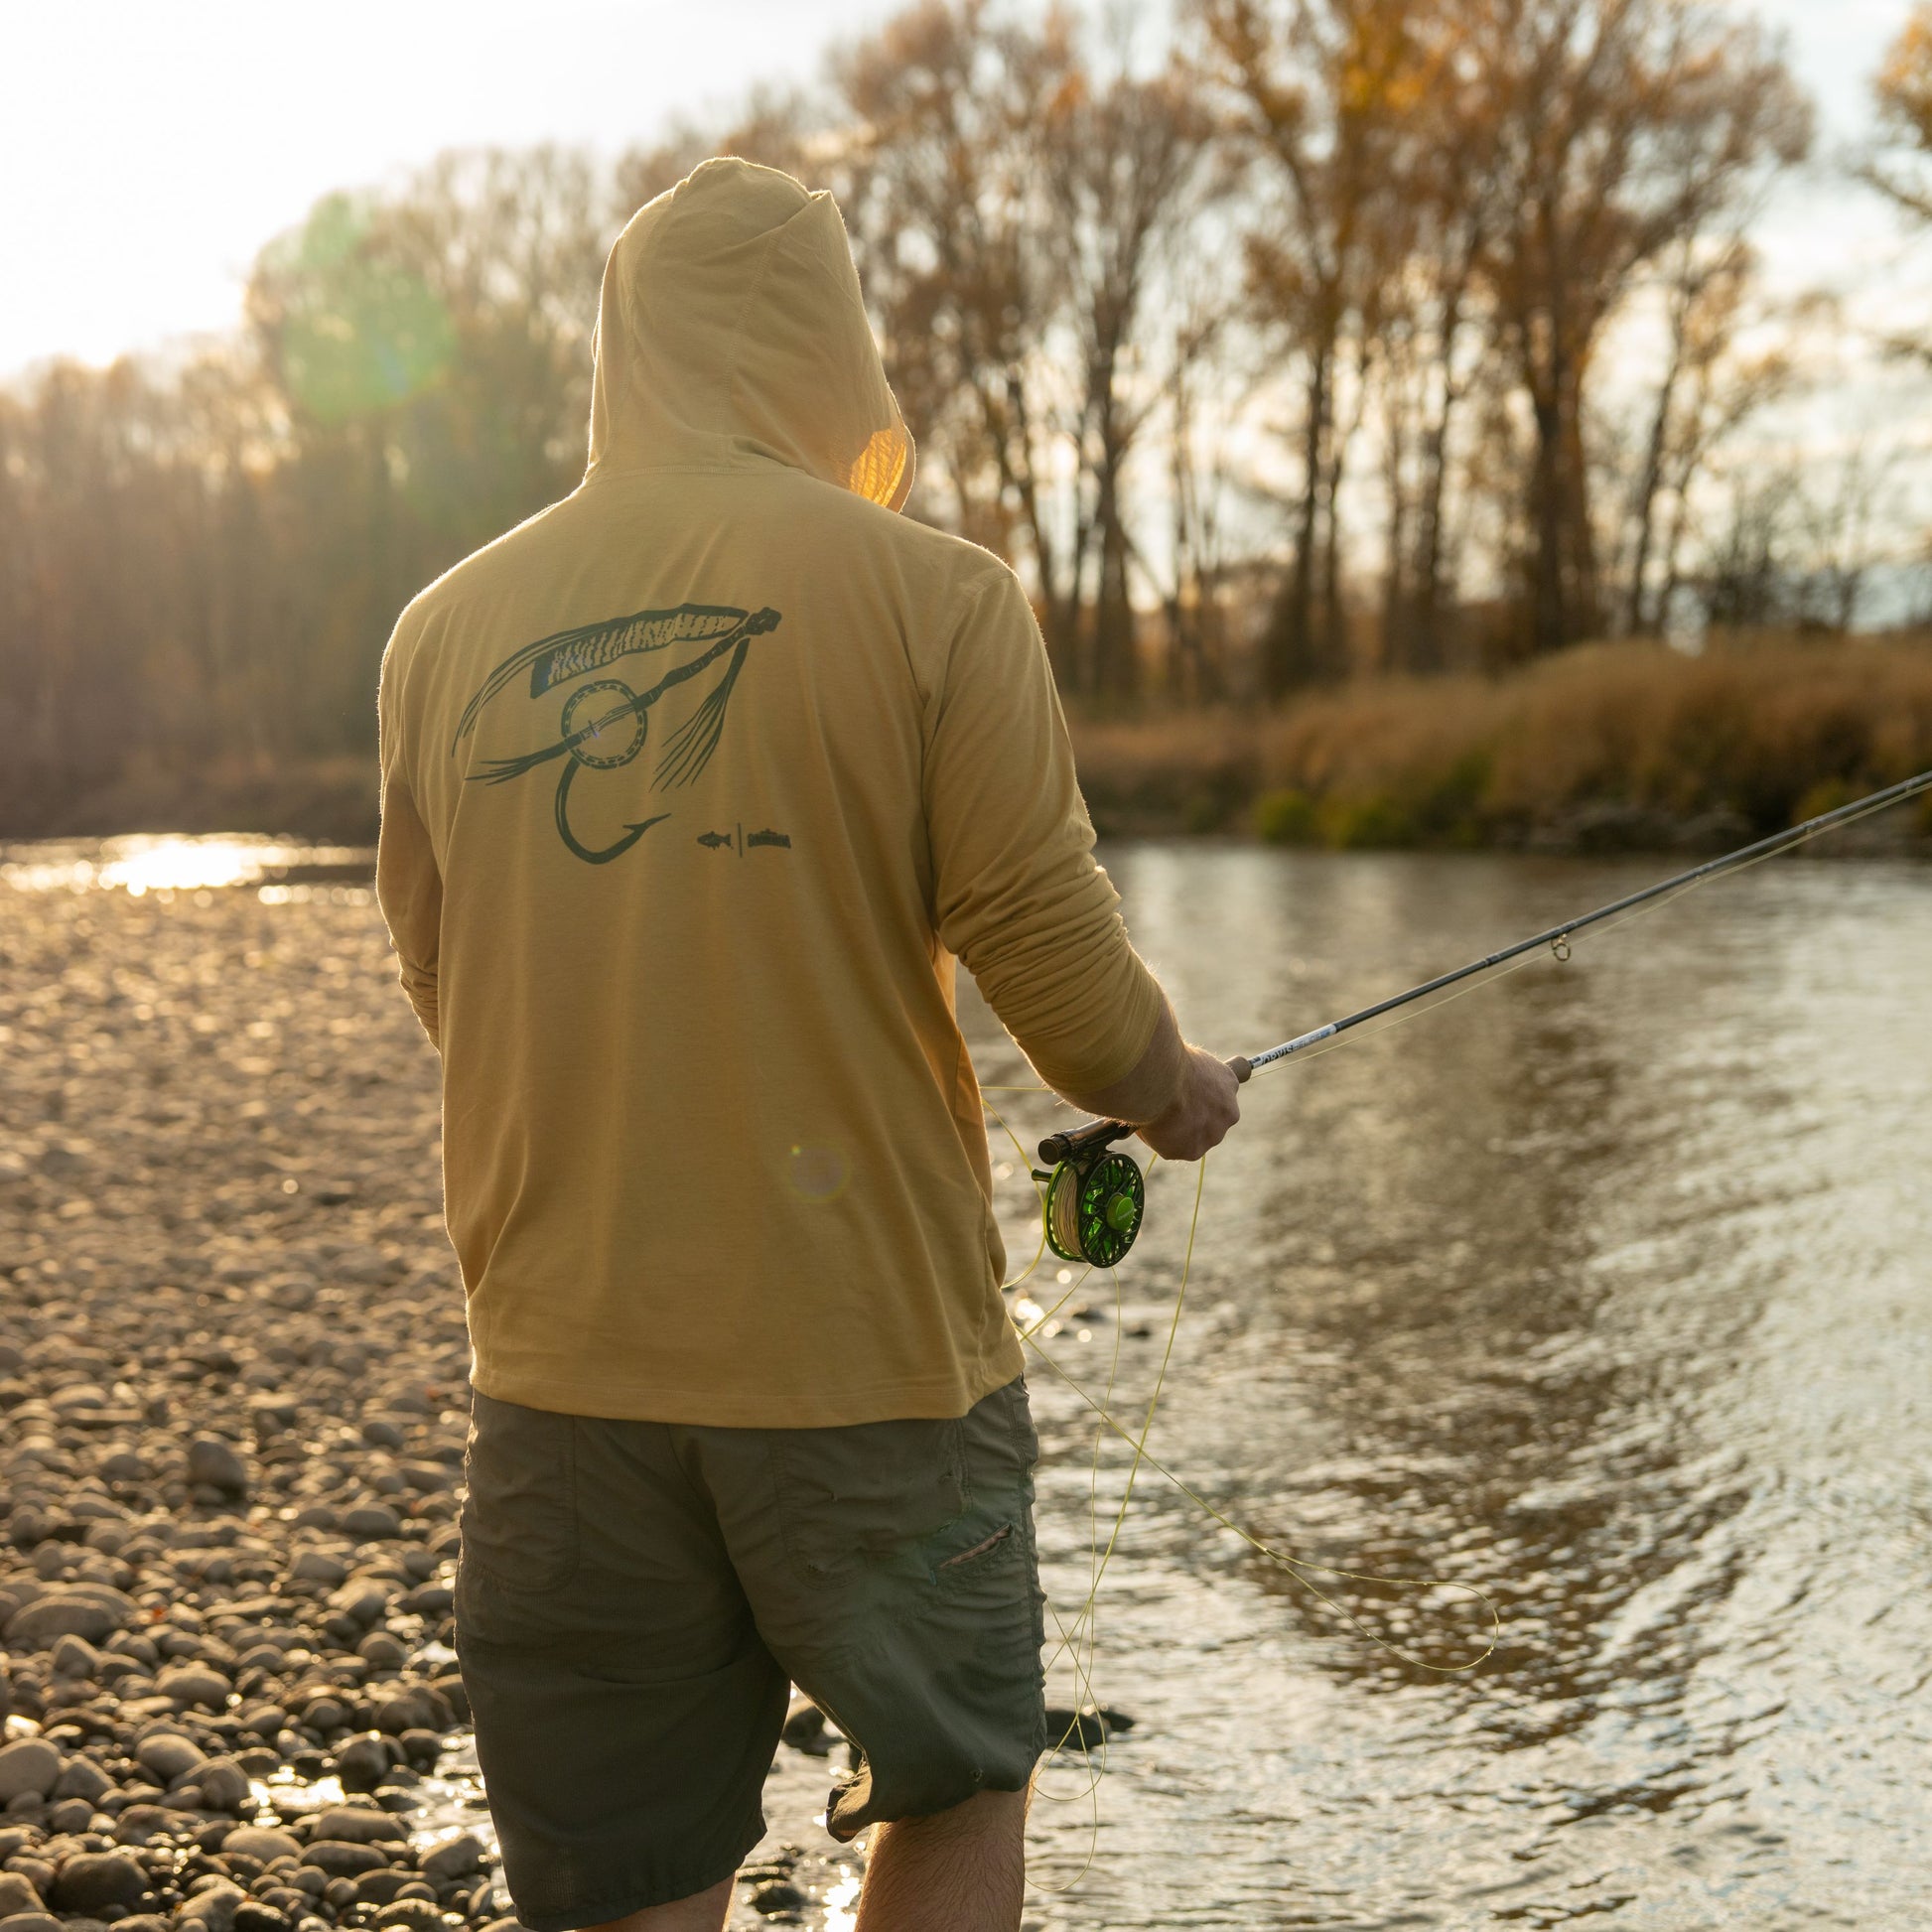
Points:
(731, 327)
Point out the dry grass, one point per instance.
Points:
(1627, 745)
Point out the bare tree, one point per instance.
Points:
(1436, 330)
(1118, 157)
(943, 198)
(1623, 125)
(1316, 90)
(1708, 389)
(1900, 161)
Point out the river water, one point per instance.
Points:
(1601, 1292)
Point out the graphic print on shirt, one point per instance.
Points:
(605, 722)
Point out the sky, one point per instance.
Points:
(149, 151)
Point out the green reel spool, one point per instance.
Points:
(1096, 1202)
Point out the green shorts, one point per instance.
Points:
(634, 1600)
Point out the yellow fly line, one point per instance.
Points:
(1078, 1640)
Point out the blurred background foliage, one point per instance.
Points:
(1327, 372)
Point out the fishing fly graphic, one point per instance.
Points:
(604, 724)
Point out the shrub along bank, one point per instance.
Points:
(1607, 746)
(1614, 746)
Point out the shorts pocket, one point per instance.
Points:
(519, 1522)
(854, 1498)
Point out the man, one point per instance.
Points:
(694, 787)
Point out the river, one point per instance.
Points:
(1600, 1292)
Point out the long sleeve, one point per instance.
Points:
(1018, 893)
(408, 885)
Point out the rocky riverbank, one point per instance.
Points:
(233, 1410)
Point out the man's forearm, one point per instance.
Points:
(1151, 1087)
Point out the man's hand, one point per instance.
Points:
(1203, 1111)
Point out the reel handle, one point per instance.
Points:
(1098, 1134)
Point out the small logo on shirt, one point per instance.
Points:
(741, 841)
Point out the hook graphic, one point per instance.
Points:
(604, 855)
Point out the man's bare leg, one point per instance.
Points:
(959, 1870)
(703, 1911)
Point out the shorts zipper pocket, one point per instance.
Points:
(998, 1537)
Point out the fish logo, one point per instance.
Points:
(605, 722)
(741, 841)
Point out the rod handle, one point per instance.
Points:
(1096, 1134)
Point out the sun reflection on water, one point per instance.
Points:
(169, 861)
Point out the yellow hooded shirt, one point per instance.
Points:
(693, 787)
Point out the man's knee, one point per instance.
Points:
(989, 1814)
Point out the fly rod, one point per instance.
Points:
(1095, 1198)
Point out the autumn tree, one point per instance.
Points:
(1900, 162)
(1435, 329)
(1718, 370)
(1013, 207)
(1118, 156)
(1622, 125)
(1317, 91)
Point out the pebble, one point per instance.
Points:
(779, 1896)
(214, 1463)
(343, 1857)
(27, 1769)
(17, 1894)
(81, 1778)
(456, 1858)
(354, 1824)
(804, 1728)
(168, 1755)
(224, 1785)
(193, 1684)
(212, 1908)
(1084, 1730)
(414, 1914)
(90, 1614)
(263, 1844)
(92, 1879)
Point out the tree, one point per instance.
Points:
(1432, 317)
(429, 352)
(1118, 159)
(1012, 209)
(1707, 389)
(1899, 164)
(943, 202)
(1623, 125)
(1316, 90)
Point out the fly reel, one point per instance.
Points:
(1095, 1198)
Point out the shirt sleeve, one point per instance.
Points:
(408, 885)
(1018, 893)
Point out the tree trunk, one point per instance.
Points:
(1287, 652)
(1641, 618)
(1426, 648)
(1563, 583)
